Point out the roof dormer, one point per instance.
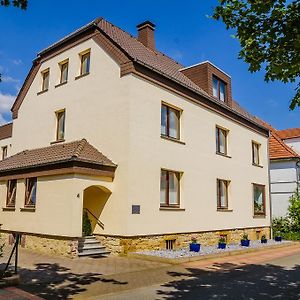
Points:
(211, 79)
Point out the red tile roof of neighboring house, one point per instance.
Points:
(278, 149)
(289, 133)
(59, 153)
(6, 131)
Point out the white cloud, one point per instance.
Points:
(9, 79)
(16, 62)
(6, 102)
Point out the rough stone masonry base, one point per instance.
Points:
(120, 245)
(54, 245)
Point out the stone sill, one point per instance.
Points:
(262, 216)
(224, 210)
(255, 165)
(60, 84)
(42, 92)
(168, 138)
(8, 208)
(58, 141)
(222, 154)
(172, 208)
(29, 209)
(82, 75)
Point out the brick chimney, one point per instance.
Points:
(146, 34)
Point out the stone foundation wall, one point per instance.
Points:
(123, 245)
(44, 244)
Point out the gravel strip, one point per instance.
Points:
(206, 250)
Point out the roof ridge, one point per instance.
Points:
(156, 52)
(82, 143)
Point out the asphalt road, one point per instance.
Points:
(274, 279)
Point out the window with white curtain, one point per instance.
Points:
(255, 153)
(222, 193)
(221, 140)
(169, 188)
(219, 88)
(170, 122)
(60, 126)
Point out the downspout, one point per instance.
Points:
(270, 199)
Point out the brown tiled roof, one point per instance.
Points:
(153, 59)
(6, 131)
(140, 54)
(289, 133)
(66, 152)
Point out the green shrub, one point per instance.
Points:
(294, 212)
(86, 224)
(289, 227)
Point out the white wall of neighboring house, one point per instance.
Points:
(283, 175)
(294, 144)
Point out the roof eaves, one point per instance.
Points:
(93, 23)
(199, 93)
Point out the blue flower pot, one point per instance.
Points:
(278, 238)
(245, 243)
(222, 245)
(263, 241)
(195, 247)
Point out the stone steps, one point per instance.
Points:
(90, 246)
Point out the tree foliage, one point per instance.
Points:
(16, 3)
(289, 226)
(269, 34)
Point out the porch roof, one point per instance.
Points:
(63, 155)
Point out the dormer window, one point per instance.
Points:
(219, 89)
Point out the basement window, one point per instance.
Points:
(170, 244)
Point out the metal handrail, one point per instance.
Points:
(98, 221)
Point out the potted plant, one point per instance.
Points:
(222, 243)
(278, 237)
(194, 246)
(245, 242)
(263, 239)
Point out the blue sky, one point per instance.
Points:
(183, 31)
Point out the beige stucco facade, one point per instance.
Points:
(120, 116)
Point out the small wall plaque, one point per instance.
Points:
(136, 209)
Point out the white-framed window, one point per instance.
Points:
(219, 88)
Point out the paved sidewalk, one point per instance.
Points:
(52, 277)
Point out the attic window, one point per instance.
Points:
(45, 79)
(219, 89)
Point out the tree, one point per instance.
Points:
(16, 3)
(269, 34)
